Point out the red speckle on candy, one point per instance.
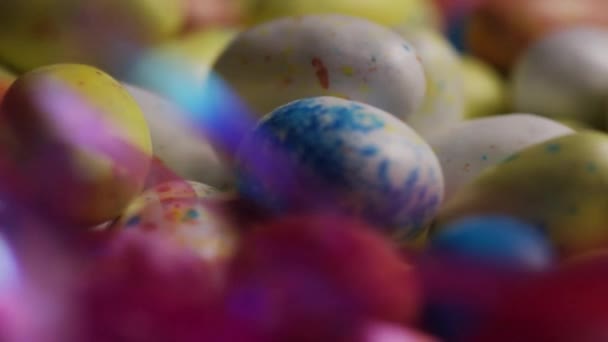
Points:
(321, 72)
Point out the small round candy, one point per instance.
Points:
(328, 153)
(495, 240)
(324, 55)
(184, 212)
(470, 147)
(565, 75)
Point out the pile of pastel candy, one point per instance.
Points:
(303, 170)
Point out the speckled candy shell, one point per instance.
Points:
(332, 55)
(183, 211)
(345, 155)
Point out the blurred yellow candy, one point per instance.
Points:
(485, 91)
(105, 33)
(78, 139)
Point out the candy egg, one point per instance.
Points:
(143, 278)
(104, 33)
(559, 186)
(518, 23)
(75, 143)
(185, 212)
(485, 91)
(329, 154)
(182, 149)
(495, 240)
(443, 103)
(298, 270)
(386, 12)
(565, 75)
(470, 147)
(324, 55)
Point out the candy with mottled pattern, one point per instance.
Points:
(565, 75)
(184, 150)
(443, 105)
(559, 185)
(324, 55)
(187, 213)
(328, 153)
(76, 145)
(470, 147)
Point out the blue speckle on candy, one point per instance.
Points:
(322, 152)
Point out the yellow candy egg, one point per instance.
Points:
(560, 185)
(485, 91)
(76, 142)
(104, 33)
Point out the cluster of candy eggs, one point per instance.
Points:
(360, 146)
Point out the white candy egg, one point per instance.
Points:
(324, 55)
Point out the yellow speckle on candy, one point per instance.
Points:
(348, 71)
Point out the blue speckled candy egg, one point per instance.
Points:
(327, 153)
(496, 240)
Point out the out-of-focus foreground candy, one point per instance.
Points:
(295, 279)
(74, 143)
